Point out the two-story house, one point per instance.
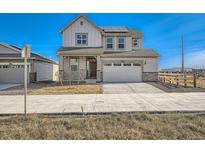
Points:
(104, 54)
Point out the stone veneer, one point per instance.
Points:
(150, 76)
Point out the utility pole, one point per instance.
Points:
(182, 52)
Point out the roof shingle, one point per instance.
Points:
(132, 54)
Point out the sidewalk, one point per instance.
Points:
(104, 103)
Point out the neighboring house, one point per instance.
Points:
(12, 66)
(104, 54)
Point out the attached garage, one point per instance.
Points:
(11, 73)
(122, 72)
(138, 65)
(12, 66)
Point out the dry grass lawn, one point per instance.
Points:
(73, 89)
(116, 126)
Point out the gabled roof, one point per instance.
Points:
(114, 28)
(74, 20)
(108, 30)
(18, 53)
(80, 50)
(15, 49)
(147, 53)
(135, 33)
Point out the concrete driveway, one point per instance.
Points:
(4, 86)
(126, 97)
(129, 88)
(104, 103)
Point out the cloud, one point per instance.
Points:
(195, 59)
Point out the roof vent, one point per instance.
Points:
(81, 23)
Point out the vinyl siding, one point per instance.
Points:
(46, 71)
(94, 35)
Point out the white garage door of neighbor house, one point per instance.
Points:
(122, 72)
(44, 71)
(11, 74)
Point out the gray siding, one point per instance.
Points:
(6, 50)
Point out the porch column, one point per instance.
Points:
(60, 68)
(60, 62)
(99, 78)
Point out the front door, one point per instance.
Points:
(93, 68)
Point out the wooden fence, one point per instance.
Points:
(179, 79)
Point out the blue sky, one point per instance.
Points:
(162, 32)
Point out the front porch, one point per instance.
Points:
(81, 68)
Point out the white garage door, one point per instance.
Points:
(11, 74)
(44, 71)
(122, 72)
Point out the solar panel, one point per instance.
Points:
(114, 28)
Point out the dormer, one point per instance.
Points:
(136, 38)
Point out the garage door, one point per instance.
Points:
(122, 72)
(11, 74)
(44, 71)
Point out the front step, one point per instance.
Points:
(91, 81)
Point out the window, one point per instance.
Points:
(117, 64)
(107, 64)
(81, 23)
(5, 66)
(135, 43)
(81, 39)
(74, 63)
(126, 64)
(121, 43)
(109, 43)
(135, 64)
(74, 67)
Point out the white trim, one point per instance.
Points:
(109, 43)
(28, 64)
(121, 43)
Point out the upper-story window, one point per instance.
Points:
(81, 38)
(135, 43)
(121, 43)
(109, 43)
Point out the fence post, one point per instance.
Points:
(177, 80)
(185, 81)
(194, 75)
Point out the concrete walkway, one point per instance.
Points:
(104, 103)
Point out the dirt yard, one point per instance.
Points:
(115, 126)
(54, 89)
(176, 89)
